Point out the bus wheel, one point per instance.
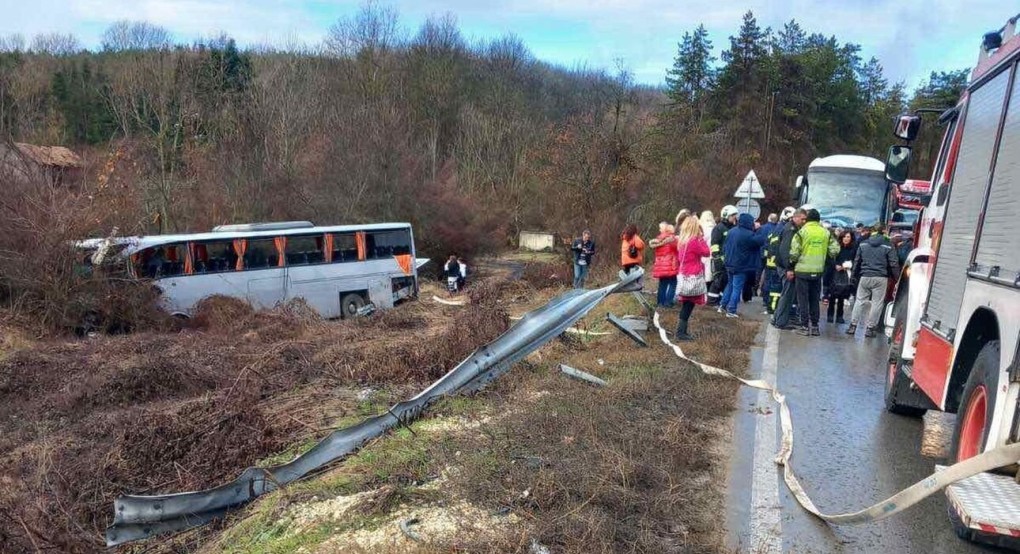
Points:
(898, 394)
(976, 405)
(350, 304)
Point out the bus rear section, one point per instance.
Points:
(955, 347)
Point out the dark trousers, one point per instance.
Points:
(784, 305)
(809, 292)
(750, 283)
(773, 287)
(836, 307)
(667, 292)
(719, 281)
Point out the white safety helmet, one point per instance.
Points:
(727, 211)
(787, 213)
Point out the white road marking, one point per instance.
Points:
(766, 534)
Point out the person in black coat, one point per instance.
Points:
(841, 286)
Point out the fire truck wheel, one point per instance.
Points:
(976, 405)
(899, 398)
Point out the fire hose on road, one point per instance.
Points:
(995, 458)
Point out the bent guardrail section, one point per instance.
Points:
(141, 517)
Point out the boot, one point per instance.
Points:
(869, 333)
(681, 331)
(815, 332)
(851, 329)
(806, 331)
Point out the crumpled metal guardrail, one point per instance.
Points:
(141, 517)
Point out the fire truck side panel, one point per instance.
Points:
(997, 244)
(989, 312)
(969, 184)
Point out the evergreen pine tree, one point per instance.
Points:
(692, 75)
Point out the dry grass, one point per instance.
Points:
(82, 421)
(538, 456)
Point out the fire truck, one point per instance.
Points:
(905, 203)
(955, 324)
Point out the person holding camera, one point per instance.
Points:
(583, 249)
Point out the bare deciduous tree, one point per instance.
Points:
(135, 35)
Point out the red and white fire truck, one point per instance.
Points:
(905, 203)
(955, 324)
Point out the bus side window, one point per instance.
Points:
(160, 261)
(304, 250)
(215, 257)
(345, 248)
(385, 244)
(260, 254)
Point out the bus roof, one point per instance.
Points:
(846, 161)
(146, 241)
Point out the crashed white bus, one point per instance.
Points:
(336, 270)
(955, 323)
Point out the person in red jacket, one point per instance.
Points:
(665, 266)
(691, 248)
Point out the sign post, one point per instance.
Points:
(748, 191)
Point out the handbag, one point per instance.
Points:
(690, 285)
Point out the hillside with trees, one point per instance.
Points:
(469, 141)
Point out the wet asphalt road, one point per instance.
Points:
(848, 453)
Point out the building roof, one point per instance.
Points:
(53, 156)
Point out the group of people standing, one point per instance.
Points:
(810, 261)
(792, 258)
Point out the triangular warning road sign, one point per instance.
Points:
(750, 187)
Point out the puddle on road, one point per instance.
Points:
(938, 434)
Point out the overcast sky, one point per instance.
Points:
(911, 38)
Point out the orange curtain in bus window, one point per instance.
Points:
(189, 259)
(405, 262)
(327, 248)
(359, 237)
(281, 250)
(240, 246)
(171, 254)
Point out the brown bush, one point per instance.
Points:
(86, 420)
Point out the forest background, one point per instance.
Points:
(471, 142)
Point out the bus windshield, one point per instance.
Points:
(845, 198)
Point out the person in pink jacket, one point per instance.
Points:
(691, 247)
(665, 267)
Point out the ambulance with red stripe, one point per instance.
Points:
(955, 322)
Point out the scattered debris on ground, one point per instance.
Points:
(537, 460)
(533, 460)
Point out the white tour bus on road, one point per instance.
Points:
(845, 189)
(337, 269)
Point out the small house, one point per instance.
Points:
(29, 163)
